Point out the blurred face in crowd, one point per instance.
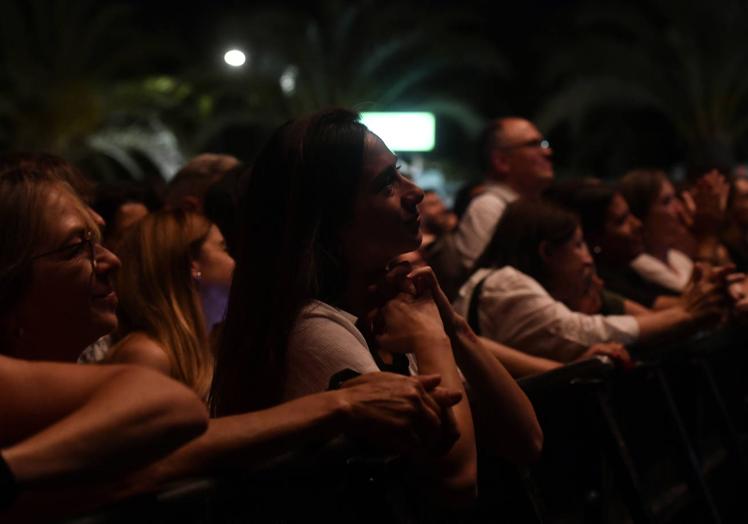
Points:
(127, 215)
(130, 213)
(435, 215)
(70, 297)
(622, 238)
(216, 269)
(571, 270)
(214, 262)
(523, 158)
(386, 221)
(740, 202)
(662, 224)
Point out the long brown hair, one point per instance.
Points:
(299, 195)
(158, 296)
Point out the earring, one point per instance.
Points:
(197, 276)
(597, 250)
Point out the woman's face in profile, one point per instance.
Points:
(214, 262)
(571, 270)
(70, 297)
(386, 221)
(622, 239)
(662, 224)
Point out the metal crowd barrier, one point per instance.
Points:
(663, 442)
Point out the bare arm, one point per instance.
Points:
(518, 363)
(704, 300)
(140, 349)
(508, 416)
(412, 324)
(62, 422)
(246, 441)
(388, 411)
(666, 302)
(658, 324)
(634, 308)
(505, 412)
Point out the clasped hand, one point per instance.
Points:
(404, 314)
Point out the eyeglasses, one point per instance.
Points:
(71, 251)
(542, 143)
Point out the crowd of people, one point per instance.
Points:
(317, 293)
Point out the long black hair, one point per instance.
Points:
(299, 195)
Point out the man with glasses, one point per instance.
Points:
(516, 159)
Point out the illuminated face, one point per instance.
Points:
(214, 262)
(523, 157)
(386, 221)
(70, 302)
(622, 239)
(662, 224)
(571, 270)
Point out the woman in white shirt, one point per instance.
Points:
(652, 199)
(535, 274)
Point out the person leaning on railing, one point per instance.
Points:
(56, 297)
(62, 423)
(537, 274)
(326, 210)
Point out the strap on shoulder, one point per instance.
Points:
(473, 308)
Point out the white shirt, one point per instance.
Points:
(516, 310)
(674, 275)
(479, 222)
(323, 342)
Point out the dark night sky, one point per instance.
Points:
(528, 35)
(522, 31)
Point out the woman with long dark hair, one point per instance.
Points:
(325, 212)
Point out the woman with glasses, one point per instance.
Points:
(56, 297)
(55, 277)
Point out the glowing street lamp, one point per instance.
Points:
(234, 58)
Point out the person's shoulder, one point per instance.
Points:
(320, 320)
(487, 201)
(317, 312)
(509, 277)
(139, 348)
(680, 257)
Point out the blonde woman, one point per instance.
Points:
(173, 286)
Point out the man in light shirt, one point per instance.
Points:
(517, 163)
